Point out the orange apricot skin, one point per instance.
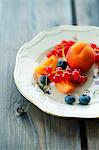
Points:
(52, 62)
(65, 87)
(80, 56)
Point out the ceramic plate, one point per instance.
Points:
(32, 53)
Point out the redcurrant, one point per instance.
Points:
(50, 76)
(54, 52)
(48, 69)
(59, 52)
(57, 78)
(58, 46)
(49, 54)
(59, 70)
(93, 45)
(82, 79)
(66, 75)
(97, 57)
(66, 48)
(70, 43)
(76, 74)
(64, 42)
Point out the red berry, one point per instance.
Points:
(66, 75)
(48, 69)
(73, 81)
(66, 48)
(49, 54)
(64, 42)
(70, 43)
(57, 78)
(93, 45)
(50, 76)
(76, 74)
(97, 57)
(59, 72)
(59, 52)
(54, 52)
(82, 79)
(58, 68)
(58, 46)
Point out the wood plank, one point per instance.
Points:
(92, 130)
(28, 18)
(52, 13)
(87, 14)
(56, 133)
(20, 21)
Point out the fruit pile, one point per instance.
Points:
(66, 65)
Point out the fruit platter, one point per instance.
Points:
(58, 71)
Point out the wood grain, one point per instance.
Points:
(20, 20)
(92, 130)
(87, 14)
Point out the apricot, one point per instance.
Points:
(65, 87)
(52, 62)
(37, 75)
(80, 56)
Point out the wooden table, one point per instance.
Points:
(20, 21)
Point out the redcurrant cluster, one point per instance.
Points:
(59, 75)
(57, 51)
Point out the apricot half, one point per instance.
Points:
(37, 75)
(65, 87)
(52, 62)
(80, 56)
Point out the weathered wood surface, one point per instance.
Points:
(21, 20)
(87, 12)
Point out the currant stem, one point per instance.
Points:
(63, 54)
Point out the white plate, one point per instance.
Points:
(30, 55)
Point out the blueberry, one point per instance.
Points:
(44, 80)
(70, 99)
(84, 99)
(62, 64)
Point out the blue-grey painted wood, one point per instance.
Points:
(21, 20)
(92, 132)
(87, 12)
